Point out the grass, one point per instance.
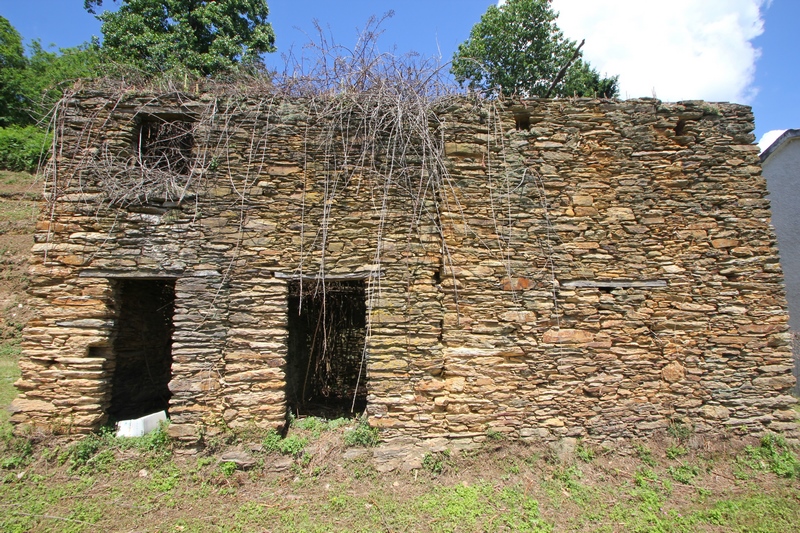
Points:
(9, 373)
(18, 198)
(10, 178)
(100, 482)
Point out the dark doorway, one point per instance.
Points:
(142, 348)
(327, 336)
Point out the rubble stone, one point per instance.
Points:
(472, 323)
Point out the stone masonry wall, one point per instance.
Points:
(579, 267)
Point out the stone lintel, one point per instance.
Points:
(615, 284)
(132, 274)
(328, 277)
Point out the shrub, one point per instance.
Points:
(22, 148)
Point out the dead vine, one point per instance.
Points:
(372, 124)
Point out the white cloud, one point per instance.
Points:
(673, 49)
(768, 138)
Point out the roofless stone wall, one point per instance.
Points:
(579, 267)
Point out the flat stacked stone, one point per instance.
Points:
(600, 273)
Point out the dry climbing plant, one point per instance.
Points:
(376, 126)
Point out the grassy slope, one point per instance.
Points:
(101, 483)
(306, 483)
(18, 206)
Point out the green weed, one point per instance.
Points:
(680, 431)
(644, 453)
(361, 435)
(465, 507)
(568, 476)
(584, 452)
(437, 462)
(155, 441)
(317, 426)
(227, 468)
(764, 513)
(81, 453)
(684, 473)
(309, 423)
(773, 454)
(493, 434)
(16, 451)
(673, 452)
(291, 445)
(643, 477)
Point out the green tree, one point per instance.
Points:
(517, 48)
(30, 85)
(47, 74)
(203, 37)
(12, 64)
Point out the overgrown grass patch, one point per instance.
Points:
(773, 454)
(101, 483)
(464, 507)
(9, 373)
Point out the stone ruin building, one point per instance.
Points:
(545, 268)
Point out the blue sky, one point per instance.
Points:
(730, 50)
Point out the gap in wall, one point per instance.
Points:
(142, 348)
(327, 336)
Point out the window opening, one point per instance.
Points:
(327, 336)
(165, 145)
(522, 121)
(141, 354)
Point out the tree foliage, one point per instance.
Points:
(30, 85)
(203, 37)
(517, 48)
(12, 61)
(49, 73)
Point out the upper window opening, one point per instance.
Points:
(165, 145)
(522, 121)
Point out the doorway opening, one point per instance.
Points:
(142, 348)
(325, 372)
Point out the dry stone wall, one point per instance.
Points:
(587, 268)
